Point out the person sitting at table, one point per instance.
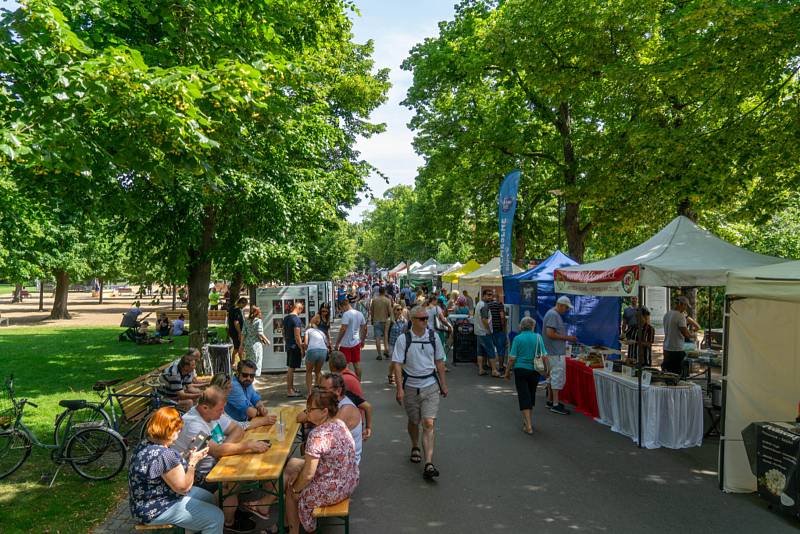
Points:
(209, 418)
(337, 363)
(244, 403)
(329, 472)
(161, 482)
(176, 382)
(525, 347)
(224, 382)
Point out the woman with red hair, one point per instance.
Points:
(161, 480)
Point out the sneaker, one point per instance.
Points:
(549, 404)
(380, 357)
(560, 409)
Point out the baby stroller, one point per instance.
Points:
(131, 323)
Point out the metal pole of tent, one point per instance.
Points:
(725, 337)
(707, 340)
(639, 368)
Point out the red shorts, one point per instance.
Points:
(352, 354)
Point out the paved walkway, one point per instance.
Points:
(572, 475)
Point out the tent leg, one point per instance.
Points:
(639, 367)
(725, 337)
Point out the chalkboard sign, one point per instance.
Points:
(777, 450)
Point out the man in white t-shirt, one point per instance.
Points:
(420, 377)
(352, 335)
(209, 418)
(482, 322)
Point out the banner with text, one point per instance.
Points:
(506, 207)
(617, 282)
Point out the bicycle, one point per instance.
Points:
(105, 412)
(94, 451)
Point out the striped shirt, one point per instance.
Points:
(172, 382)
(496, 309)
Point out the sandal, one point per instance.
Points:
(416, 455)
(253, 510)
(497, 375)
(481, 373)
(430, 472)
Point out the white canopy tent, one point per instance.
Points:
(403, 271)
(681, 255)
(762, 361)
(487, 275)
(398, 267)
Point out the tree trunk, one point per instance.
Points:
(576, 236)
(685, 209)
(17, 296)
(102, 283)
(199, 278)
(59, 310)
(235, 288)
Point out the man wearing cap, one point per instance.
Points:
(555, 342)
(675, 334)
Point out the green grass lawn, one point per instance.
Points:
(6, 289)
(51, 364)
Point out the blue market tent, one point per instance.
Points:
(594, 320)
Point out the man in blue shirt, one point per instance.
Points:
(244, 402)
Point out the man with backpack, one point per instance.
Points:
(418, 361)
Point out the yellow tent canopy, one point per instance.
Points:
(470, 266)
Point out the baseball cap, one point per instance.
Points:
(565, 301)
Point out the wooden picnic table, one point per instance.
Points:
(262, 467)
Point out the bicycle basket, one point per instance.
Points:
(8, 410)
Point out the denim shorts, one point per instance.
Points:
(315, 356)
(486, 346)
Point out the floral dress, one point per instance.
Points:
(337, 474)
(253, 348)
(149, 494)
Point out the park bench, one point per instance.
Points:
(214, 316)
(340, 510)
(134, 408)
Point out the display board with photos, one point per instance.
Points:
(276, 303)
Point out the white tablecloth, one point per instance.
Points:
(672, 416)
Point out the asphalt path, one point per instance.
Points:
(572, 474)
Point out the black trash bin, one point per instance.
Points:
(464, 341)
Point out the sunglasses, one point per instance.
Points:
(420, 318)
(247, 375)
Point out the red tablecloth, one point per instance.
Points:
(579, 388)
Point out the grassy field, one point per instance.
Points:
(51, 364)
(6, 289)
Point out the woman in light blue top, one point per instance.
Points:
(526, 346)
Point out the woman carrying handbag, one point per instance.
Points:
(528, 362)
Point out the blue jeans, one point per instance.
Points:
(196, 511)
(499, 340)
(486, 346)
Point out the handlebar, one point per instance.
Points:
(26, 401)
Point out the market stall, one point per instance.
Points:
(594, 320)
(680, 255)
(452, 278)
(761, 364)
(487, 276)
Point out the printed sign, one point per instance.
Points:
(647, 376)
(608, 365)
(617, 282)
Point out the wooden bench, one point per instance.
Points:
(134, 408)
(340, 510)
(214, 316)
(171, 528)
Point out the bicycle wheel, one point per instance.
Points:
(96, 453)
(92, 413)
(15, 447)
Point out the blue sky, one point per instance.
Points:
(395, 26)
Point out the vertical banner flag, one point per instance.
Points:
(506, 207)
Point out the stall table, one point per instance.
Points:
(672, 416)
(579, 389)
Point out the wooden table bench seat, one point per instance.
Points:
(214, 316)
(340, 510)
(171, 528)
